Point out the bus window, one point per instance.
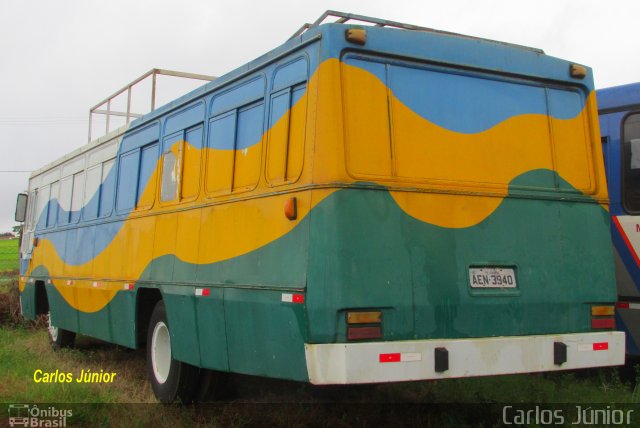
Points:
(128, 173)
(94, 176)
(222, 134)
(108, 188)
(64, 201)
(53, 199)
(287, 123)
(76, 197)
(191, 155)
(146, 179)
(631, 184)
(41, 214)
(248, 149)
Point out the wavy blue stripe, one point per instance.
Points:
(468, 103)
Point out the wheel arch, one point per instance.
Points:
(146, 300)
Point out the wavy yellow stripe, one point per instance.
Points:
(201, 235)
(434, 157)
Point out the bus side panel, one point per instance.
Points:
(212, 336)
(179, 302)
(266, 335)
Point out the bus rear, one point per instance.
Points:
(462, 224)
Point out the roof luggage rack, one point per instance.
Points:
(343, 18)
(128, 114)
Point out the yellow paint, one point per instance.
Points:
(212, 233)
(445, 165)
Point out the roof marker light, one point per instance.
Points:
(356, 35)
(578, 71)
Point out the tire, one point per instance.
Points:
(169, 378)
(59, 337)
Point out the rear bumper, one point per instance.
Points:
(371, 362)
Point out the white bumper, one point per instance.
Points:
(345, 363)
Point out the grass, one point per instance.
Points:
(8, 255)
(252, 401)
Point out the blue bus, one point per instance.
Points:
(619, 110)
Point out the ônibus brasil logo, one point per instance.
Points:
(30, 415)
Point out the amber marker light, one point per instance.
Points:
(291, 209)
(578, 71)
(599, 311)
(356, 35)
(364, 317)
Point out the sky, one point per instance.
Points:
(59, 58)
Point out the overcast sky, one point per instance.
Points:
(59, 58)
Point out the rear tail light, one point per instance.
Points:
(602, 317)
(363, 325)
(360, 333)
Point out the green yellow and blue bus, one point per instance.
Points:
(619, 109)
(363, 204)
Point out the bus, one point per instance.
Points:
(369, 202)
(619, 110)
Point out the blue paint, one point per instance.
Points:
(127, 181)
(185, 118)
(468, 103)
(250, 126)
(238, 96)
(291, 74)
(222, 131)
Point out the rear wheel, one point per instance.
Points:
(59, 337)
(169, 378)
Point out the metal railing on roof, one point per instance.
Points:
(344, 18)
(128, 114)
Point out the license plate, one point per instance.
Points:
(492, 277)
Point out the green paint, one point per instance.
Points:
(367, 253)
(358, 249)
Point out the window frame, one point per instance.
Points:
(235, 112)
(124, 211)
(182, 135)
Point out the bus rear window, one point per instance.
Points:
(406, 122)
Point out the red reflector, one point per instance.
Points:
(206, 291)
(298, 298)
(390, 358)
(622, 305)
(602, 346)
(603, 323)
(358, 333)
